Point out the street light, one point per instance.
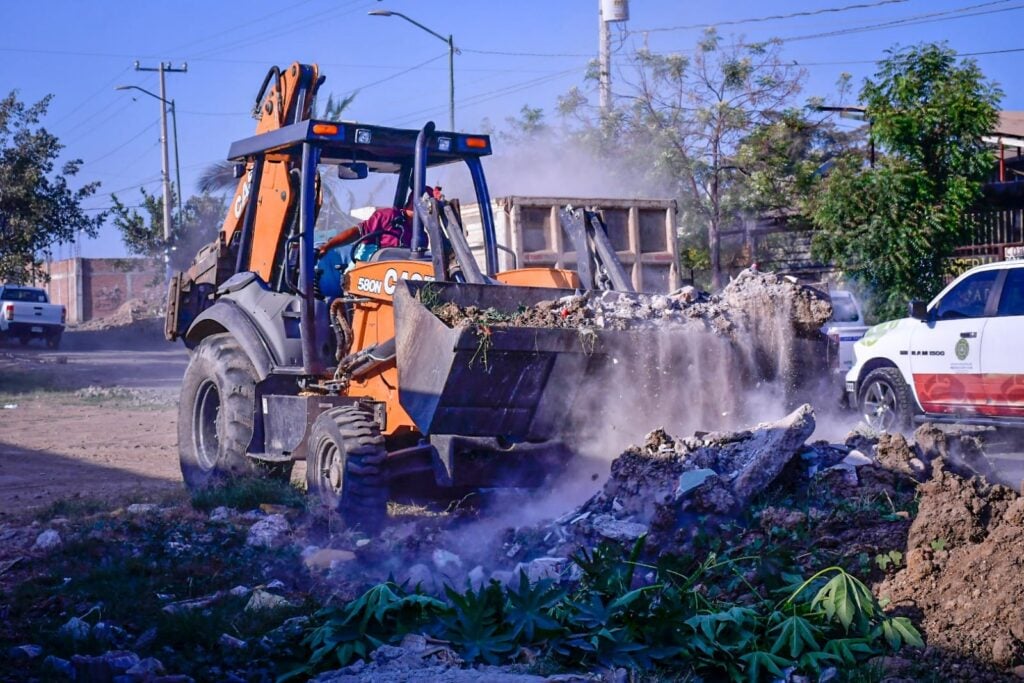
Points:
(451, 58)
(166, 170)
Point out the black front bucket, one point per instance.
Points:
(514, 382)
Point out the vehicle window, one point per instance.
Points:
(1012, 300)
(29, 295)
(843, 310)
(967, 299)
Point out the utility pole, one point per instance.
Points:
(163, 68)
(604, 73)
(607, 12)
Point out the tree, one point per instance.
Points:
(783, 160)
(891, 227)
(143, 232)
(38, 208)
(682, 119)
(698, 110)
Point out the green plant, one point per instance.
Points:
(248, 493)
(475, 624)
(614, 617)
(939, 544)
(430, 296)
(892, 558)
(484, 344)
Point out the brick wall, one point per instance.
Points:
(94, 288)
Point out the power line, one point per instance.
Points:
(854, 62)
(89, 99)
(235, 27)
(142, 183)
(488, 95)
(125, 103)
(527, 54)
(774, 17)
(124, 144)
(278, 32)
(912, 20)
(400, 73)
(65, 53)
(933, 17)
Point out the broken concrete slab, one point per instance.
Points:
(268, 532)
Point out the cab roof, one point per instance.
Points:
(383, 149)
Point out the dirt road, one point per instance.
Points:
(96, 424)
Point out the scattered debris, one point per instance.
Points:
(24, 653)
(230, 642)
(264, 600)
(321, 559)
(8, 565)
(76, 629)
(48, 540)
(268, 532)
(193, 603)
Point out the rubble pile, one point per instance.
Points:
(671, 491)
(663, 487)
(131, 312)
(761, 328)
(910, 516)
(748, 301)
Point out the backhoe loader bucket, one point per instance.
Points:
(494, 381)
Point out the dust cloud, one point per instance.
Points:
(552, 166)
(748, 355)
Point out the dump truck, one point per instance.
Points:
(530, 234)
(294, 358)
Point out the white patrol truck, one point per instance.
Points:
(955, 359)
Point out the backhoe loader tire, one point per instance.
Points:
(343, 467)
(215, 414)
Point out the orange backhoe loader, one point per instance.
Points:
(294, 357)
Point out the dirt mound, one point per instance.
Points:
(128, 313)
(963, 568)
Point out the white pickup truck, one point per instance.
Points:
(955, 359)
(26, 314)
(843, 330)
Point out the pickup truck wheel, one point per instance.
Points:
(24, 340)
(215, 414)
(343, 468)
(885, 401)
(53, 341)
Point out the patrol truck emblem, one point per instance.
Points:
(962, 349)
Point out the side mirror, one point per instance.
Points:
(919, 310)
(356, 170)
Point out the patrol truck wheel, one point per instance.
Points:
(885, 401)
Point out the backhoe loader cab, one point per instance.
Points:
(292, 359)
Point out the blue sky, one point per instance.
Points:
(518, 53)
